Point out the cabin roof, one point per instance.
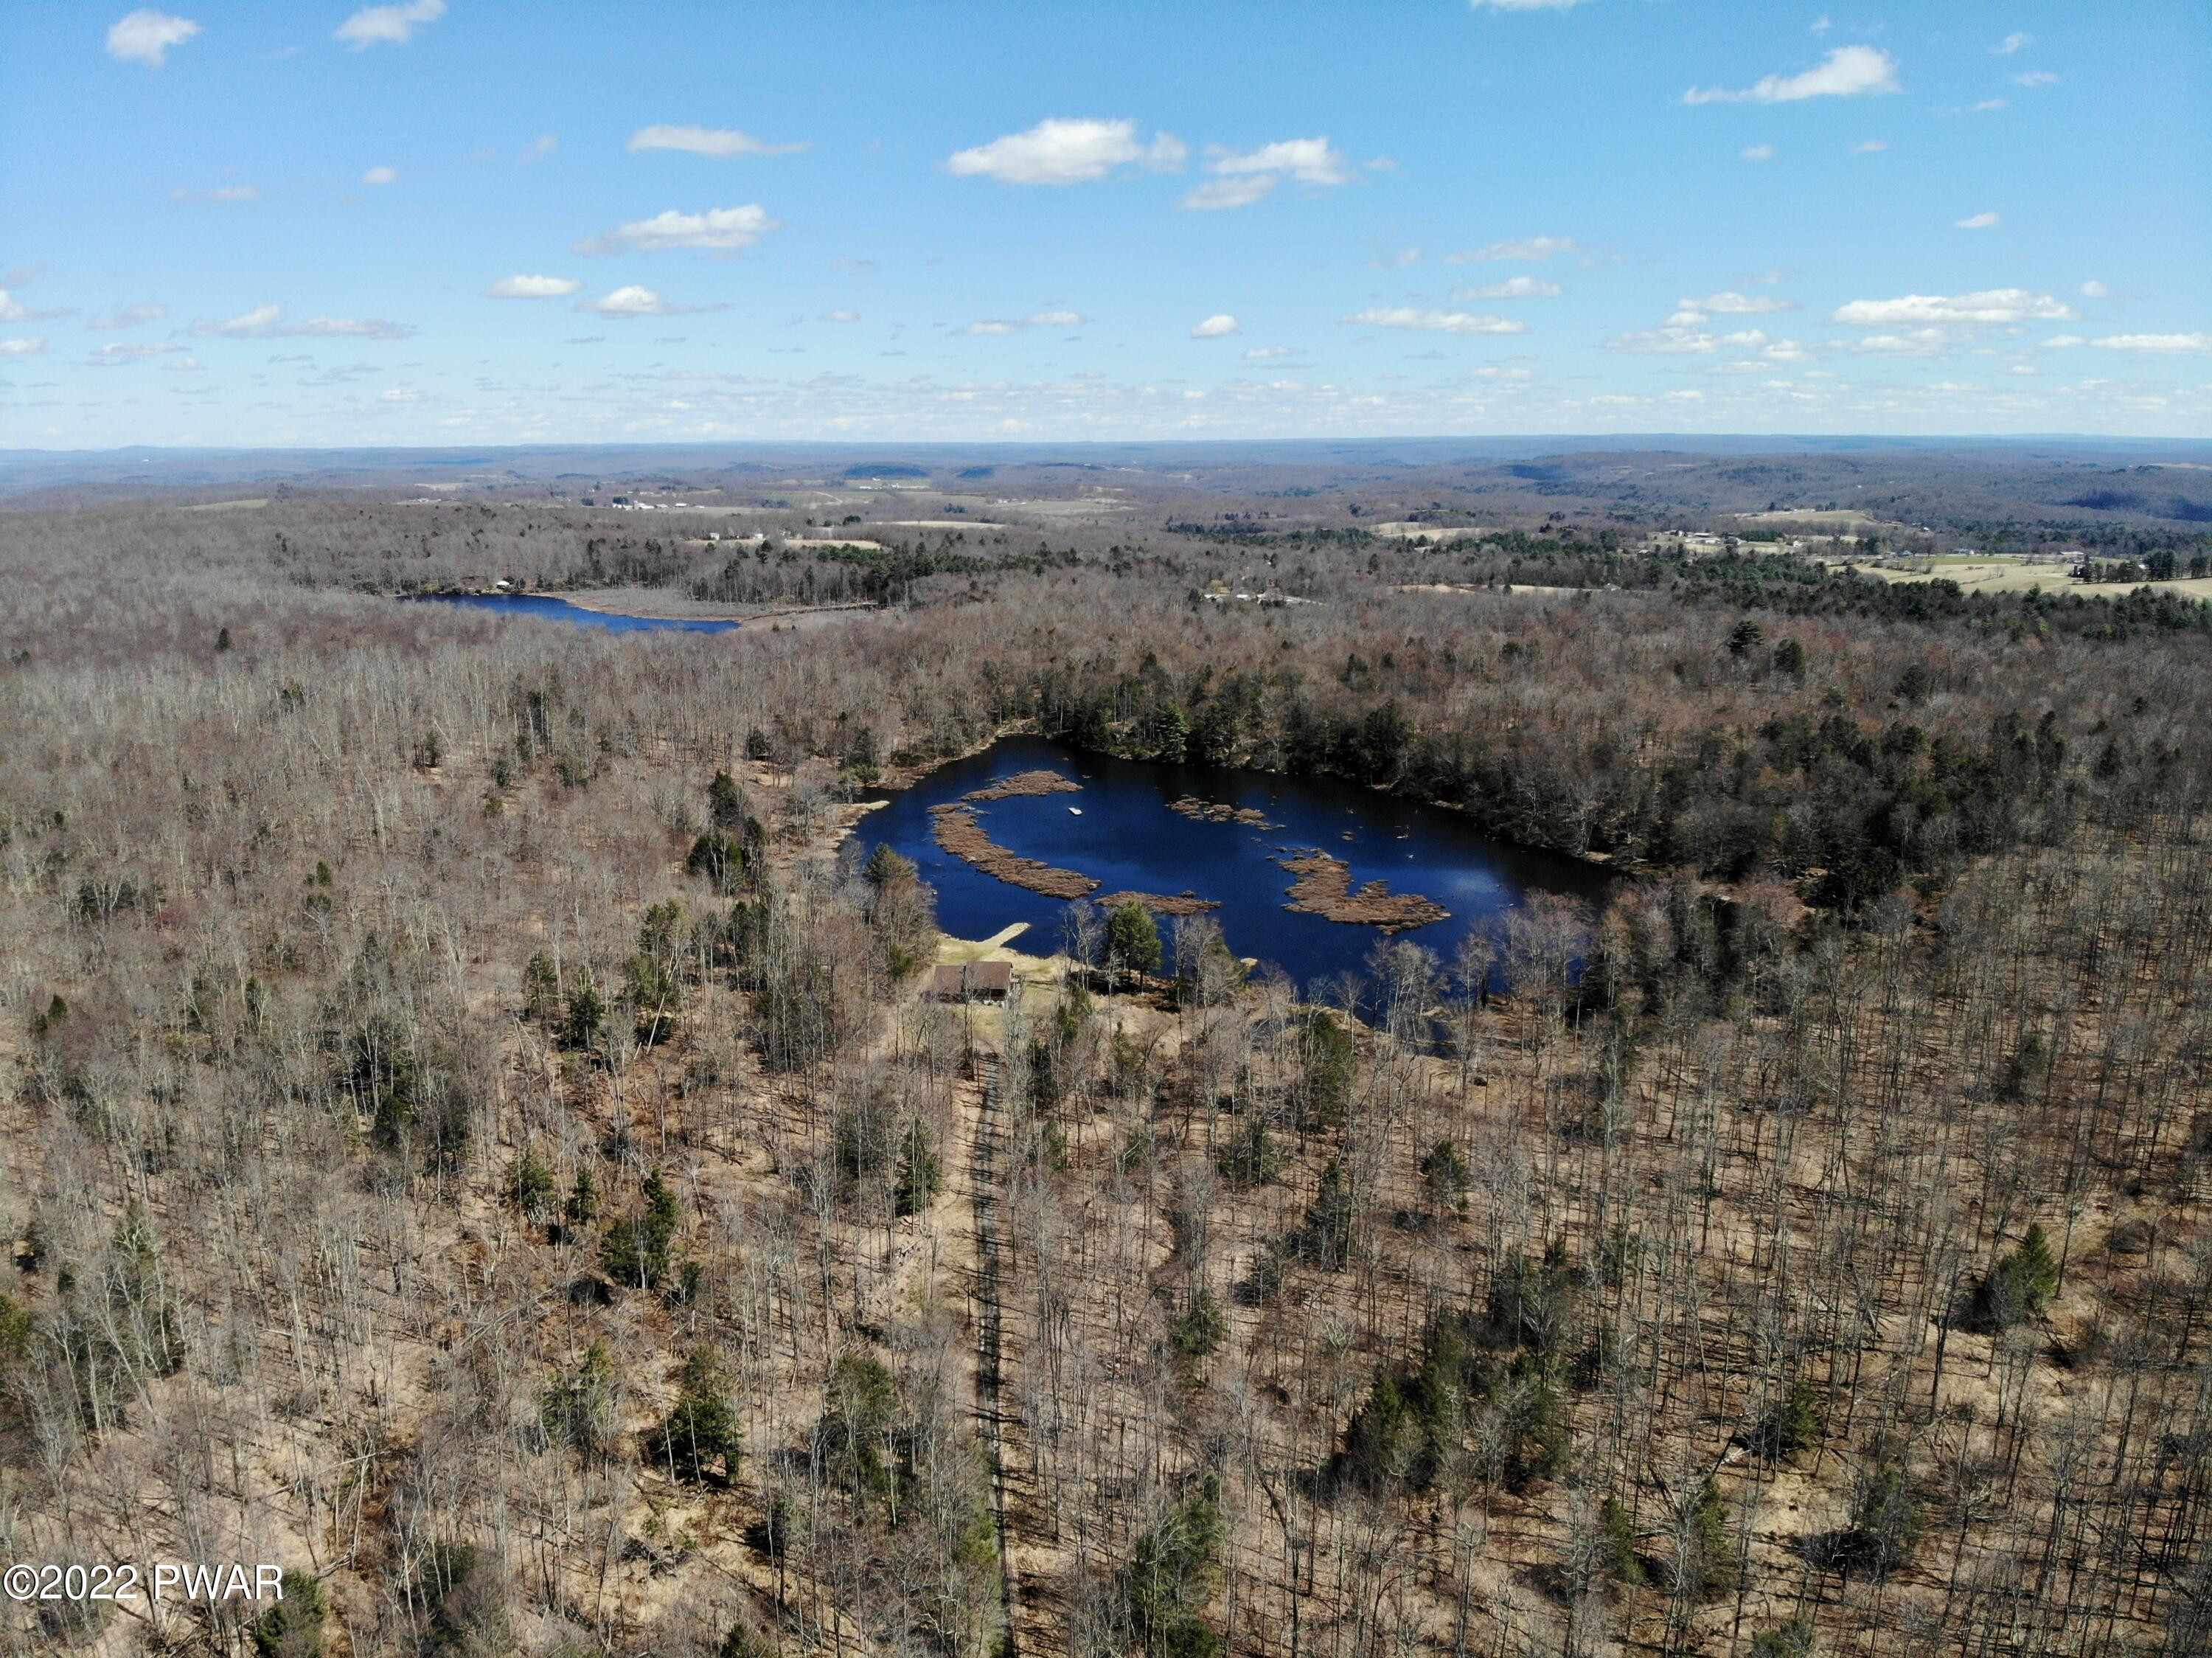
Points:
(956, 979)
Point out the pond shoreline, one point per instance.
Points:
(897, 779)
(648, 604)
(1001, 834)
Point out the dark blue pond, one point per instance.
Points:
(1126, 839)
(545, 608)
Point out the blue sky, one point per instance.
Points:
(483, 221)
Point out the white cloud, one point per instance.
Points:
(532, 287)
(228, 195)
(21, 347)
(1870, 147)
(1989, 104)
(2011, 44)
(14, 310)
(1993, 305)
(1683, 334)
(1847, 72)
(1530, 250)
(1266, 353)
(538, 149)
(129, 316)
(1921, 342)
(1759, 153)
(717, 228)
(1062, 150)
(1037, 319)
(719, 142)
(1511, 287)
(118, 354)
(391, 25)
(400, 395)
(1243, 178)
(146, 35)
(1978, 220)
(380, 175)
(2058, 341)
(635, 302)
(266, 321)
(1219, 326)
(840, 316)
(1309, 161)
(2195, 344)
(1823, 23)
(182, 365)
(1217, 193)
(2036, 77)
(1397, 261)
(1449, 322)
(2094, 290)
(1733, 304)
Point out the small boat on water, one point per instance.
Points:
(1075, 811)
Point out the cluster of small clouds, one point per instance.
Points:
(1438, 321)
(147, 36)
(1063, 151)
(228, 195)
(14, 310)
(1909, 325)
(120, 356)
(1061, 319)
(1511, 287)
(1529, 250)
(1067, 150)
(1240, 178)
(266, 321)
(723, 229)
(1990, 306)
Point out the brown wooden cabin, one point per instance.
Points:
(974, 981)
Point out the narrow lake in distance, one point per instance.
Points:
(544, 607)
(1123, 835)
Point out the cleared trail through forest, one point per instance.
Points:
(983, 1187)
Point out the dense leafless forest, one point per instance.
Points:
(475, 1137)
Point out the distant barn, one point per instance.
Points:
(974, 981)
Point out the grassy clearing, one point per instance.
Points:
(1999, 574)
